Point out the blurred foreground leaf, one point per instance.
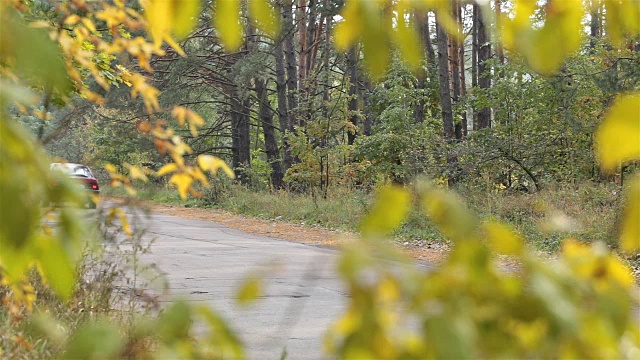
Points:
(618, 137)
(630, 227)
(249, 291)
(390, 209)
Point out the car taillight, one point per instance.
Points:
(94, 186)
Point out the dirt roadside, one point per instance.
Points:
(286, 230)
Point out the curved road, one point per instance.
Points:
(206, 262)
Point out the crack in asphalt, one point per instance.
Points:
(197, 240)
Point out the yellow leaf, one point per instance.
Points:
(186, 14)
(249, 291)
(194, 118)
(111, 169)
(169, 40)
(348, 31)
(407, 40)
(179, 112)
(264, 17)
(388, 290)
(89, 24)
(124, 223)
(450, 214)
(199, 176)
(622, 19)
(183, 182)
(167, 168)
(227, 23)
(159, 16)
(630, 229)
(212, 164)
(137, 173)
(72, 20)
(130, 190)
(502, 239)
(544, 47)
(389, 211)
(618, 137)
(349, 323)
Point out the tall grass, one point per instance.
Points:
(107, 286)
(586, 211)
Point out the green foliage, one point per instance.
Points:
(542, 126)
(400, 146)
(578, 306)
(25, 47)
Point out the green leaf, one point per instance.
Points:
(221, 335)
(630, 228)
(544, 47)
(453, 336)
(389, 211)
(175, 322)
(19, 210)
(35, 56)
(249, 291)
(96, 341)
(503, 239)
(449, 213)
(57, 267)
(617, 138)
(227, 23)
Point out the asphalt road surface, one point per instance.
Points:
(206, 262)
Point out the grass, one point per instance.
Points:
(45, 330)
(586, 211)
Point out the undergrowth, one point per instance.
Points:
(109, 286)
(585, 211)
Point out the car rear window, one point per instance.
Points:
(74, 170)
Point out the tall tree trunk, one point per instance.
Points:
(454, 64)
(240, 121)
(367, 123)
(474, 59)
(484, 70)
(445, 99)
(352, 68)
(308, 51)
(445, 90)
(240, 136)
(422, 19)
(301, 20)
(311, 45)
(265, 116)
(283, 111)
(326, 78)
(425, 30)
(290, 57)
(499, 50)
(594, 25)
(463, 78)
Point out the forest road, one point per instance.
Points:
(205, 262)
